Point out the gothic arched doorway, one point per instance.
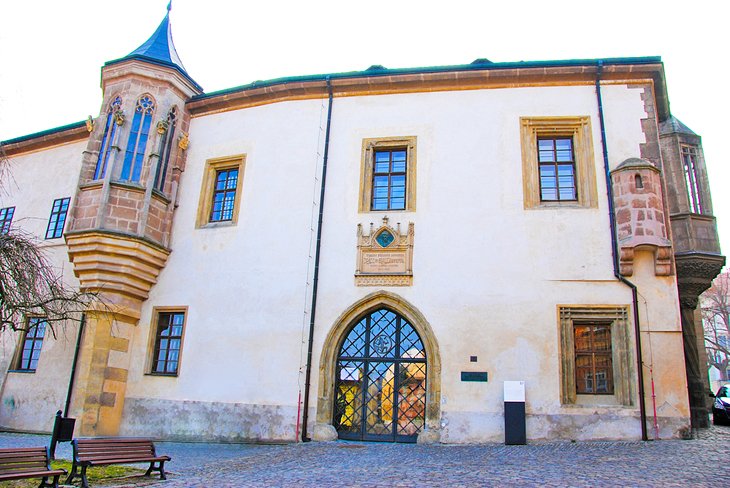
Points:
(380, 380)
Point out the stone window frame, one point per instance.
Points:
(579, 129)
(621, 339)
(369, 147)
(205, 205)
(153, 338)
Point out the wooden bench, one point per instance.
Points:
(29, 462)
(117, 450)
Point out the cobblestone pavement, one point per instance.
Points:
(702, 461)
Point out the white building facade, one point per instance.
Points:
(368, 255)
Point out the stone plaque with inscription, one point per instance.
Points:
(384, 256)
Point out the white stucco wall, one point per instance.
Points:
(30, 400)
(488, 274)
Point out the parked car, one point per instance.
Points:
(721, 406)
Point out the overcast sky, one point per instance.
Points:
(52, 51)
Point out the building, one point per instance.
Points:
(369, 255)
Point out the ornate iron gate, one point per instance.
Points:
(380, 392)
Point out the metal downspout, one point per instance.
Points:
(614, 252)
(315, 278)
(71, 380)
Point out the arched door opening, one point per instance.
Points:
(380, 380)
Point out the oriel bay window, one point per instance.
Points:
(169, 329)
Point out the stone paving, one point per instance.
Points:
(702, 461)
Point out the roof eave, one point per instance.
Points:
(157, 62)
(65, 134)
(439, 78)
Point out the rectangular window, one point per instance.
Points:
(6, 218)
(557, 169)
(31, 345)
(220, 195)
(58, 218)
(168, 343)
(593, 359)
(558, 162)
(596, 355)
(388, 174)
(389, 180)
(692, 178)
(224, 195)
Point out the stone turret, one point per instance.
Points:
(119, 235)
(640, 215)
(697, 254)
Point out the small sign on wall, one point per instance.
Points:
(480, 376)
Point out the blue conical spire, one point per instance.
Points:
(159, 46)
(159, 49)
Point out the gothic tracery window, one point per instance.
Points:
(137, 142)
(166, 149)
(107, 141)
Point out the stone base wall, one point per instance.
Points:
(619, 425)
(208, 421)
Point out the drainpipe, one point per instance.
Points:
(315, 278)
(82, 323)
(614, 251)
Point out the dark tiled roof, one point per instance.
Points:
(674, 125)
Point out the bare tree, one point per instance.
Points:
(29, 283)
(716, 323)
